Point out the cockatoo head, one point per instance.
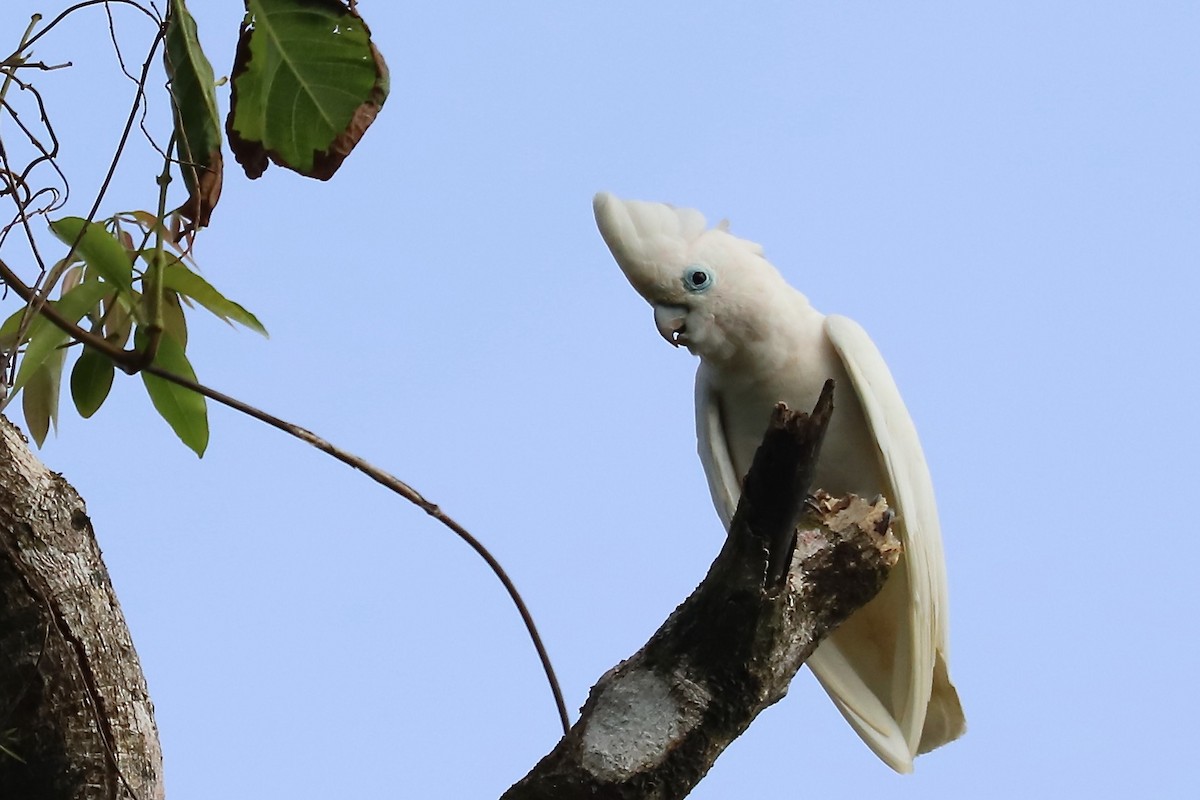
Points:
(706, 285)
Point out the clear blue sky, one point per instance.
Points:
(1006, 195)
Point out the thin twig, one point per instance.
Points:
(112, 167)
(112, 35)
(401, 488)
(35, 305)
(46, 154)
(69, 11)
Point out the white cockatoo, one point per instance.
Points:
(760, 343)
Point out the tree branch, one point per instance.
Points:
(654, 724)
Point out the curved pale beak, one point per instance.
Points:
(670, 321)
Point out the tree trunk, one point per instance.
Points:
(76, 720)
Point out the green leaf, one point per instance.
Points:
(45, 337)
(40, 399)
(174, 321)
(179, 278)
(184, 410)
(99, 249)
(307, 83)
(91, 380)
(10, 328)
(197, 123)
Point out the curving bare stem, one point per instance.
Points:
(131, 362)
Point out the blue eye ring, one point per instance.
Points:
(697, 278)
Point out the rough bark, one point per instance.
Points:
(76, 720)
(654, 724)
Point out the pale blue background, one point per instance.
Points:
(1006, 195)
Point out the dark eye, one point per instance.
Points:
(697, 279)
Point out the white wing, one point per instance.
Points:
(853, 676)
(724, 484)
(921, 701)
(885, 668)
